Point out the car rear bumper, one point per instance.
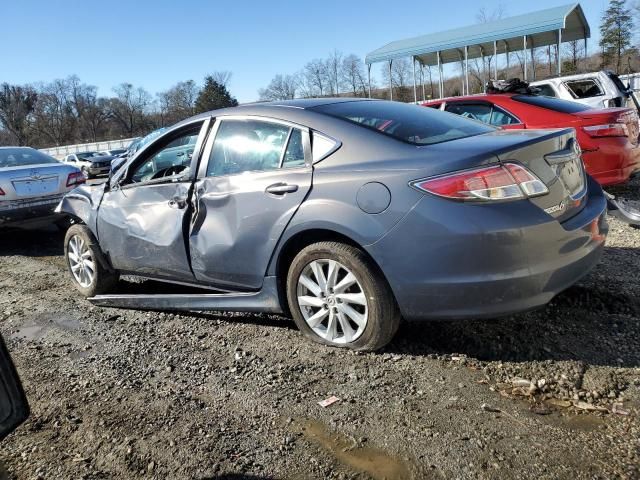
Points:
(614, 161)
(22, 211)
(454, 260)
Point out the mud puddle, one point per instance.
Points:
(372, 461)
(45, 324)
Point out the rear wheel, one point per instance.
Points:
(86, 262)
(338, 297)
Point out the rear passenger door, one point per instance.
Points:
(254, 175)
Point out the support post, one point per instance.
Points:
(559, 66)
(495, 60)
(524, 54)
(390, 81)
(533, 62)
(415, 86)
(439, 76)
(484, 71)
(466, 68)
(424, 94)
(460, 56)
(506, 51)
(369, 77)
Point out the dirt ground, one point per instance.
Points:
(128, 394)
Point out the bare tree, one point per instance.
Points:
(281, 87)
(574, 51)
(54, 115)
(129, 108)
(16, 105)
(178, 102)
(315, 75)
(401, 72)
(353, 75)
(333, 69)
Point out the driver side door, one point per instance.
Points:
(141, 219)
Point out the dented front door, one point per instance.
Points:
(254, 175)
(142, 220)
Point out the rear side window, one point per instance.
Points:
(475, 111)
(254, 145)
(556, 104)
(546, 90)
(409, 123)
(19, 157)
(584, 88)
(483, 112)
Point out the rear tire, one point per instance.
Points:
(86, 262)
(338, 297)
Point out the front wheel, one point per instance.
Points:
(338, 297)
(86, 262)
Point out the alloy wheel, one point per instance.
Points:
(332, 301)
(81, 262)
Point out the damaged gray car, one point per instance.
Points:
(346, 214)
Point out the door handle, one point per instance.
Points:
(281, 188)
(177, 202)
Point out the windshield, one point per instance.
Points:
(409, 123)
(19, 157)
(556, 104)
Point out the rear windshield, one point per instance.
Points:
(564, 106)
(19, 157)
(409, 123)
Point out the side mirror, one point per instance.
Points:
(14, 408)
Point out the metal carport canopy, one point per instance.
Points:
(541, 28)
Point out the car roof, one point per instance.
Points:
(294, 110)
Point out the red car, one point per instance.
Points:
(608, 137)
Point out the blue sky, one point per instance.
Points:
(157, 43)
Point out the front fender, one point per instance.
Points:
(82, 204)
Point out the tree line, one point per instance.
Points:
(68, 111)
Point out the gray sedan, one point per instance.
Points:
(346, 214)
(32, 184)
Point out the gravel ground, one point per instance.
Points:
(129, 394)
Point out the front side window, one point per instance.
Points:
(412, 124)
(171, 157)
(254, 145)
(584, 88)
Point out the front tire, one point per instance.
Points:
(338, 297)
(86, 262)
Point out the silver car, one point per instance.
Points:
(32, 184)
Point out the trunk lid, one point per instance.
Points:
(554, 157)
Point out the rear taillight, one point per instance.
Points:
(607, 130)
(75, 178)
(1, 191)
(500, 182)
